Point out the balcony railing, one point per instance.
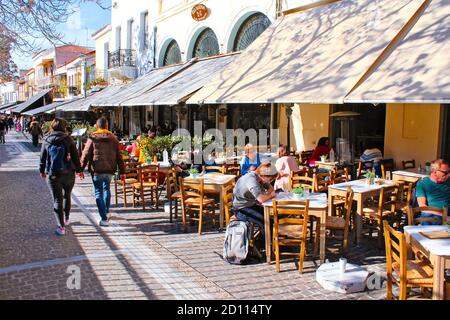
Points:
(122, 58)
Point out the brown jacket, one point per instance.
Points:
(102, 154)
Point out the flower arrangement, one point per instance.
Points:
(193, 172)
(370, 176)
(298, 192)
(155, 147)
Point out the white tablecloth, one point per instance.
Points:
(316, 200)
(361, 185)
(440, 247)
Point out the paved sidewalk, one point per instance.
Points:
(140, 256)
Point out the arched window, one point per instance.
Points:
(250, 30)
(206, 44)
(173, 54)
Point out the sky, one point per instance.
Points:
(87, 18)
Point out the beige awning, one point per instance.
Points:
(418, 68)
(184, 83)
(138, 87)
(314, 56)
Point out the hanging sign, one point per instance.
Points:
(199, 12)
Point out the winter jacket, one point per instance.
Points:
(102, 154)
(57, 137)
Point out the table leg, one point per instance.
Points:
(222, 209)
(267, 234)
(323, 235)
(358, 221)
(438, 277)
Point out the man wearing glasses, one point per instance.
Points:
(434, 191)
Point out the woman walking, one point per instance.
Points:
(59, 161)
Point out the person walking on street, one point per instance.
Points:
(58, 162)
(102, 155)
(35, 131)
(3, 127)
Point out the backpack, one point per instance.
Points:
(237, 240)
(58, 159)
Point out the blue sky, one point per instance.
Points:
(87, 19)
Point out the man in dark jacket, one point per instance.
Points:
(102, 155)
(35, 131)
(59, 161)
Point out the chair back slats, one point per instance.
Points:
(413, 220)
(408, 164)
(298, 178)
(214, 169)
(364, 167)
(305, 156)
(233, 168)
(387, 165)
(348, 205)
(322, 181)
(285, 214)
(395, 250)
(339, 176)
(148, 173)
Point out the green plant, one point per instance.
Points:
(298, 190)
(193, 172)
(370, 175)
(156, 146)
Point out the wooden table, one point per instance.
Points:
(331, 166)
(362, 191)
(410, 175)
(436, 250)
(317, 208)
(215, 183)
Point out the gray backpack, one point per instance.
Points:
(237, 240)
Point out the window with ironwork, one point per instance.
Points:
(250, 30)
(206, 44)
(173, 54)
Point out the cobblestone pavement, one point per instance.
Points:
(140, 256)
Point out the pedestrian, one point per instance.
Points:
(3, 126)
(11, 123)
(102, 155)
(59, 161)
(35, 131)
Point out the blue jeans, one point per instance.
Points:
(253, 214)
(102, 191)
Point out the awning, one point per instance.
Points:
(84, 104)
(314, 56)
(418, 68)
(31, 102)
(183, 84)
(139, 86)
(7, 106)
(47, 109)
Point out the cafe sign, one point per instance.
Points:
(199, 12)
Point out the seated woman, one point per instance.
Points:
(284, 165)
(135, 150)
(323, 148)
(251, 159)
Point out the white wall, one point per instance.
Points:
(8, 92)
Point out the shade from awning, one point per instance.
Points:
(182, 84)
(32, 102)
(139, 86)
(418, 68)
(314, 56)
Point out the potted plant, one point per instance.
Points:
(193, 173)
(370, 176)
(298, 193)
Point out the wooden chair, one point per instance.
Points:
(322, 181)
(363, 168)
(228, 201)
(387, 165)
(147, 185)
(214, 169)
(305, 156)
(194, 203)
(173, 193)
(299, 178)
(233, 168)
(408, 164)
(341, 223)
(413, 220)
(373, 216)
(340, 176)
(290, 228)
(400, 271)
(406, 189)
(126, 186)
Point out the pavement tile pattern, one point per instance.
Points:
(140, 256)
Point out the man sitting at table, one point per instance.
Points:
(434, 191)
(251, 191)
